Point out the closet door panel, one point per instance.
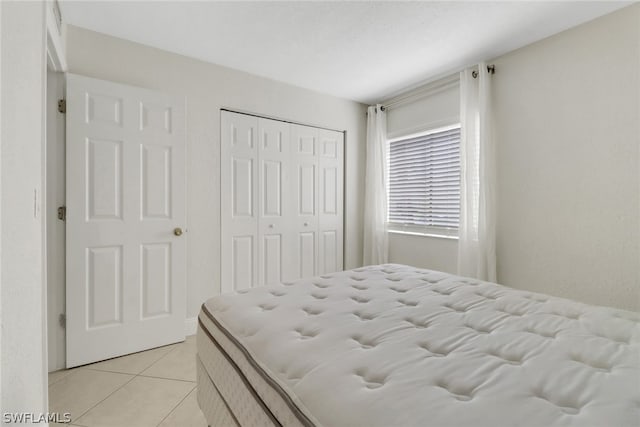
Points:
(242, 187)
(274, 229)
(304, 191)
(239, 200)
(329, 190)
(329, 242)
(331, 201)
(306, 188)
(307, 258)
(242, 261)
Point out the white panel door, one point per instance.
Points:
(304, 189)
(274, 218)
(239, 201)
(126, 256)
(330, 200)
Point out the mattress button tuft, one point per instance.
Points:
(407, 302)
(565, 405)
(363, 316)
(311, 311)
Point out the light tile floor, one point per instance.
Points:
(152, 388)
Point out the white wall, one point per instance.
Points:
(208, 88)
(568, 138)
(567, 122)
(433, 253)
(23, 339)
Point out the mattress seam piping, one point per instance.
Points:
(240, 374)
(285, 396)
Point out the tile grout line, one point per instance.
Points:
(77, 368)
(109, 372)
(142, 375)
(160, 378)
(105, 398)
(59, 379)
(176, 407)
(165, 378)
(130, 380)
(195, 384)
(127, 373)
(161, 357)
(171, 379)
(134, 376)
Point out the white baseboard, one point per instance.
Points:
(190, 326)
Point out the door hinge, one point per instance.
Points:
(62, 213)
(62, 319)
(62, 105)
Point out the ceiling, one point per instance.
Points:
(365, 51)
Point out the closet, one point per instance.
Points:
(281, 201)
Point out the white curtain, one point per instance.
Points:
(376, 244)
(477, 232)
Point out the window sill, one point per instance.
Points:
(423, 234)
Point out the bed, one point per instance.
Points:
(393, 345)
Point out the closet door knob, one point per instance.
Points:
(306, 224)
(270, 225)
(177, 231)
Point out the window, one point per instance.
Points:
(424, 182)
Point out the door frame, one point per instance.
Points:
(55, 62)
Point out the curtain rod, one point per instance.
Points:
(491, 69)
(430, 89)
(423, 91)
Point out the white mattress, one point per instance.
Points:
(393, 345)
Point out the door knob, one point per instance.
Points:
(270, 225)
(177, 231)
(306, 223)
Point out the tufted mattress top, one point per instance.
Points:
(393, 345)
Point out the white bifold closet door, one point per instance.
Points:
(317, 190)
(282, 201)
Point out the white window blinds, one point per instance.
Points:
(424, 180)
